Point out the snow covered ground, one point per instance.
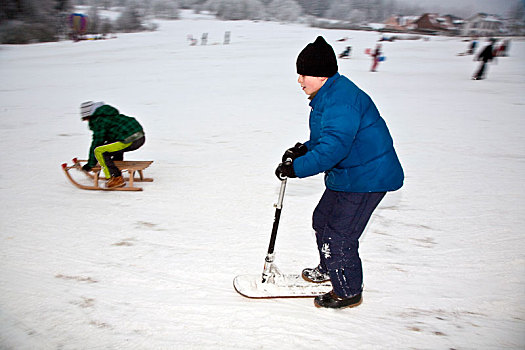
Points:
(444, 259)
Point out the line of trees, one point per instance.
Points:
(28, 21)
(293, 10)
(23, 21)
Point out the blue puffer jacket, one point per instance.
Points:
(349, 141)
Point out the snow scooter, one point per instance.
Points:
(273, 283)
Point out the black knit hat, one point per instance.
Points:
(317, 59)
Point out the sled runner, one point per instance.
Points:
(131, 167)
(272, 283)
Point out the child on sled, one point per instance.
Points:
(113, 134)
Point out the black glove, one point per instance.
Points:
(284, 170)
(86, 168)
(295, 152)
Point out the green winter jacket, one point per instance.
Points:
(109, 126)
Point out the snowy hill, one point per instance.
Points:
(444, 261)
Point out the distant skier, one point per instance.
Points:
(113, 134)
(375, 57)
(486, 55)
(351, 144)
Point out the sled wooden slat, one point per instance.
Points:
(132, 167)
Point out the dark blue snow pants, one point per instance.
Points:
(339, 220)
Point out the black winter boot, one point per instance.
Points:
(332, 301)
(315, 275)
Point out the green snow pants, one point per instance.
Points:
(105, 155)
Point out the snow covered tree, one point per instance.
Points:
(236, 9)
(166, 9)
(375, 10)
(23, 21)
(357, 16)
(93, 20)
(32, 10)
(339, 9)
(517, 11)
(359, 10)
(130, 19)
(106, 4)
(283, 10)
(187, 4)
(315, 8)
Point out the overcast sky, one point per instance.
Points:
(500, 7)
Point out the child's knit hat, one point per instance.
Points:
(317, 59)
(88, 108)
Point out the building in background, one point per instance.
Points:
(482, 24)
(401, 23)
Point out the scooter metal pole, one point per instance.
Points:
(270, 270)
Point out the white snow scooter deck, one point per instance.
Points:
(272, 283)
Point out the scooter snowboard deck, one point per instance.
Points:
(281, 286)
(276, 284)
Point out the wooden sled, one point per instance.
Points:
(131, 167)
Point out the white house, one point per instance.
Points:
(482, 24)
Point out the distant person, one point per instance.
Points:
(346, 53)
(486, 55)
(350, 144)
(375, 57)
(507, 47)
(113, 134)
(472, 47)
(503, 48)
(192, 40)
